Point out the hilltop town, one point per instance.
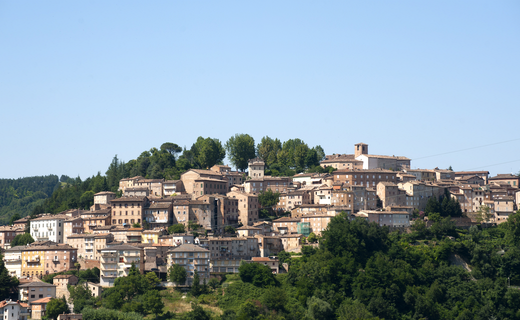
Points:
(212, 221)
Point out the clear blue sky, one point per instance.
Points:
(81, 81)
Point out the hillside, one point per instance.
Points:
(21, 196)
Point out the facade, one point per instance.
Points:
(7, 234)
(39, 259)
(509, 179)
(33, 291)
(48, 228)
(61, 282)
(128, 210)
(317, 223)
(272, 263)
(39, 308)
(248, 207)
(171, 187)
(286, 225)
(13, 310)
(104, 197)
(13, 261)
(255, 168)
(201, 182)
(268, 245)
(364, 178)
(116, 262)
(483, 174)
(192, 258)
(342, 162)
(291, 242)
(309, 209)
(232, 247)
(159, 214)
(388, 218)
(390, 194)
(72, 226)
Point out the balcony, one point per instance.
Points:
(109, 276)
(36, 259)
(109, 255)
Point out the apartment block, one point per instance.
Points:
(116, 261)
(192, 258)
(128, 210)
(48, 228)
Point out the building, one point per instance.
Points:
(72, 226)
(61, 282)
(388, 218)
(36, 290)
(371, 161)
(225, 265)
(364, 178)
(248, 231)
(41, 258)
(39, 308)
(509, 179)
(70, 316)
(7, 234)
(192, 258)
(271, 262)
(247, 206)
(116, 261)
(286, 225)
(342, 162)
(390, 194)
(307, 209)
(317, 223)
(171, 187)
(291, 242)
(48, 228)
(159, 214)
(13, 310)
(483, 174)
(200, 182)
(232, 247)
(104, 198)
(268, 245)
(255, 168)
(128, 210)
(13, 261)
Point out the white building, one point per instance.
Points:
(192, 258)
(48, 227)
(13, 261)
(13, 310)
(116, 262)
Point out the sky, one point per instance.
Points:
(83, 81)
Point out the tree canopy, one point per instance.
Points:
(240, 148)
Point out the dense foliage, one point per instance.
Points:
(20, 196)
(22, 240)
(8, 284)
(363, 271)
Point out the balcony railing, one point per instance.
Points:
(108, 254)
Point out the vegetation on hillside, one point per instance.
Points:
(18, 197)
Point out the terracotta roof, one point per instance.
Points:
(42, 301)
(263, 259)
(187, 247)
(51, 217)
(127, 199)
(36, 284)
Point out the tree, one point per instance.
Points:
(318, 309)
(257, 274)
(268, 198)
(196, 288)
(484, 214)
(152, 302)
(152, 279)
(207, 152)
(312, 238)
(432, 205)
(171, 148)
(197, 313)
(274, 298)
(268, 150)
(136, 225)
(229, 229)
(177, 274)
(213, 283)
(22, 240)
(193, 225)
(7, 283)
(240, 148)
(176, 228)
(55, 307)
(14, 217)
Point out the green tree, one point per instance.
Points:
(432, 205)
(14, 217)
(152, 302)
(318, 309)
(484, 214)
(177, 274)
(22, 240)
(229, 229)
(240, 148)
(196, 288)
(207, 152)
(257, 274)
(312, 238)
(176, 228)
(136, 225)
(8, 284)
(274, 298)
(197, 313)
(171, 148)
(152, 279)
(268, 150)
(248, 310)
(193, 225)
(55, 307)
(268, 198)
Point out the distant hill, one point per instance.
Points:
(21, 196)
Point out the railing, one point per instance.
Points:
(109, 255)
